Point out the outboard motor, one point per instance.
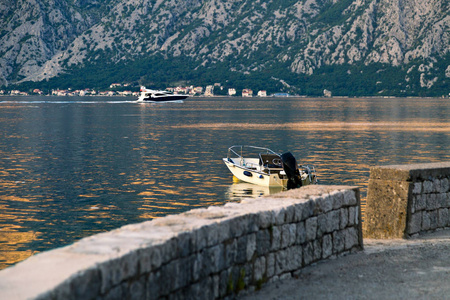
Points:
(291, 170)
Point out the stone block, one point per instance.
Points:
(266, 219)
(417, 188)
(153, 285)
(349, 198)
(433, 215)
(285, 236)
(117, 270)
(427, 187)
(289, 214)
(447, 199)
(333, 221)
(145, 260)
(323, 205)
(420, 202)
(311, 228)
(295, 258)
(275, 240)
(350, 238)
(216, 286)
(308, 253)
(185, 243)
(231, 247)
(185, 269)
(169, 277)
(114, 293)
(338, 241)
(436, 185)
(288, 235)
(432, 203)
(298, 213)
(280, 215)
(322, 225)
(443, 217)
(86, 285)
(202, 290)
(270, 265)
(238, 226)
(327, 246)
(445, 186)
(343, 215)
(263, 242)
(317, 249)
(441, 199)
(251, 246)
(352, 216)
(241, 255)
(281, 261)
(308, 209)
(337, 199)
(426, 222)
(386, 208)
(301, 233)
(415, 224)
(259, 268)
(224, 278)
(356, 212)
(135, 290)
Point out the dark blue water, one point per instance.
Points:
(72, 167)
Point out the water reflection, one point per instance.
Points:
(68, 170)
(241, 190)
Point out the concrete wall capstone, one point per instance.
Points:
(406, 200)
(209, 253)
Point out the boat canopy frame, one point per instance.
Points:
(237, 152)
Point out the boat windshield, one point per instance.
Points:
(241, 151)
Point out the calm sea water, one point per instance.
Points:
(73, 167)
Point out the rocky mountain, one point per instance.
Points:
(377, 46)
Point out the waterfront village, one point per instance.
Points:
(118, 89)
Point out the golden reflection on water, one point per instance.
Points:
(328, 126)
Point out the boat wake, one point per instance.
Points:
(85, 102)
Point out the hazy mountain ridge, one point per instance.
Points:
(248, 36)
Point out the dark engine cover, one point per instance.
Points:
(291, 169)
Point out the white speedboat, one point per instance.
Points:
(148, 95)
(265, 167)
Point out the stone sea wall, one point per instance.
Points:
(209, 253)
(406, 200)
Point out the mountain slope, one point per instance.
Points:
(299, 42)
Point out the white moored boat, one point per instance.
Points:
(148, 95)
(265, 167)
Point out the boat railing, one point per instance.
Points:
(311, 171)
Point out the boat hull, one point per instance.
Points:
(163, 99)
(255, 177)
(260, 178)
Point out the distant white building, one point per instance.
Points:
(262, 93)
(247, 93)
(198, 89)
(231, 92)
(327, 93)
(209, 91)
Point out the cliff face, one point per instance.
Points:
(41, 38)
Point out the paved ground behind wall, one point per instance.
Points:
(387, 269)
